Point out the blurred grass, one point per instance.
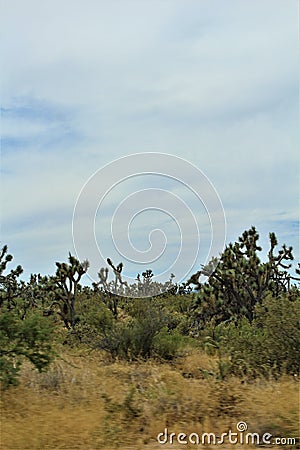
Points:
(88, 402)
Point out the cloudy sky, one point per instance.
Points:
(84, 83)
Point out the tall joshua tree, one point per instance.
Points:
(241, 280)
(65, 285)
(9, 284)
(111, 287)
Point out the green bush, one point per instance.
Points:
(246, 347)
(94, 313)
(280, 320)
(133, 338)
(167, 344)
(29, 338)
(143, 332)
(267, 346)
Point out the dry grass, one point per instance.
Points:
(91, 403)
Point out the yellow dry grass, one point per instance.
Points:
(89, 402)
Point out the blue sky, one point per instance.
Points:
(85, 83)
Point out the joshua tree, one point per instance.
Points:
(111, 288)
(241, 280)
(24, 331)
(65, 285)
(9, 285)
(117, 271)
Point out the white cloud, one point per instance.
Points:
(212, 82)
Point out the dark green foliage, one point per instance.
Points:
(280, 319)
(133, 338)
(36, 291)
(29, 338)
(93, 320)
(167, 344)
(141, 331)
(24, 332)
(146, 322)
(241, 280)
(270, 344)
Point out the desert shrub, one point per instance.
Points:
(142, 332)
(93, 319)
(280, 320)
(267, 346)
(245, 345)
(133, 338)
(29, 338)
(94, 313)
(167, 344)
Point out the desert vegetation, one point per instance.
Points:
(99, 368)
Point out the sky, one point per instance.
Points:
(91, 89)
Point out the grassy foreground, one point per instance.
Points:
(89, 402)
